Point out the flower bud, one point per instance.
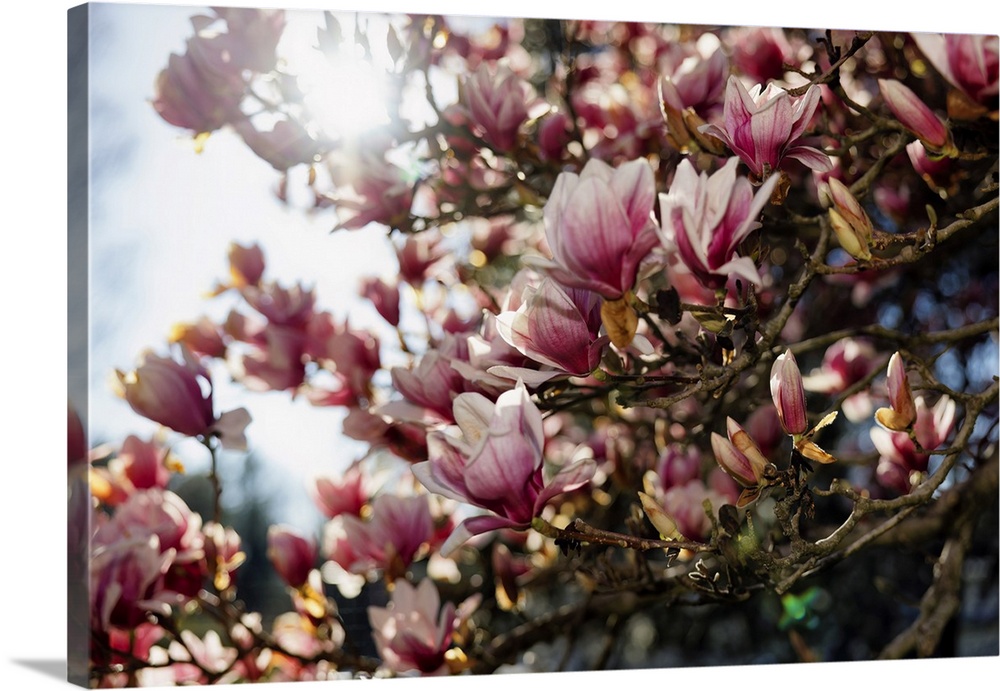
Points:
(291, 555)
(246, 264)
(664, 524)
(739, 455)
(916, 116)
(742, 461)
(903, 410)
(498, 104)
(170, 393)
(788, 394)
(849, 221)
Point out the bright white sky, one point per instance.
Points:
(163, 217)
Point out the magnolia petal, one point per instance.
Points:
(443, 473)
(729, 458)
(770, 129)
(742, 267)
(805, 106)
(503, 468)
(635, 187)
(944, 417)
(760, 200)
(569, 478)
(477, 525)
(745, 444)
(231, 427)
(472, 412)
(811, 158)
(531, 378)
(712, 130)
(719, 188)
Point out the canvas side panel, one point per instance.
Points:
(78, 280)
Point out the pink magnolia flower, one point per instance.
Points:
(916, 116)
(557, 327)
(901, 465)
(761, 53)
(691, 89)
(293, 307)
(493, 460)
(223, 553)
(497, 103)
(177, 528)
(126, 582)
(419, 256)
(195, 656)
(389, 539)
(788, 394)
(144, 463)
(599, 227)
(246, 267)
(346, 494)
(246, 264)
(292, 555)
(678, 465)
(413, 632)
(434, 383)
(351, 356)
(764, 127)
(697, 77)
(179, 396)
(203, 337)
(491, 359)
(706, 217)
(190, 96)
(969, 62)
(276, 364)
(384, 296)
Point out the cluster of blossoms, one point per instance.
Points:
(590, 289)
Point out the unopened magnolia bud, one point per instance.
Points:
(663, 523)
(853, 243)
(900, 416)
(849, 221)
(915, 116)
(788, 394)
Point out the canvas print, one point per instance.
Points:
(407, 345)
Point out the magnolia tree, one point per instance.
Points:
(686, 316)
